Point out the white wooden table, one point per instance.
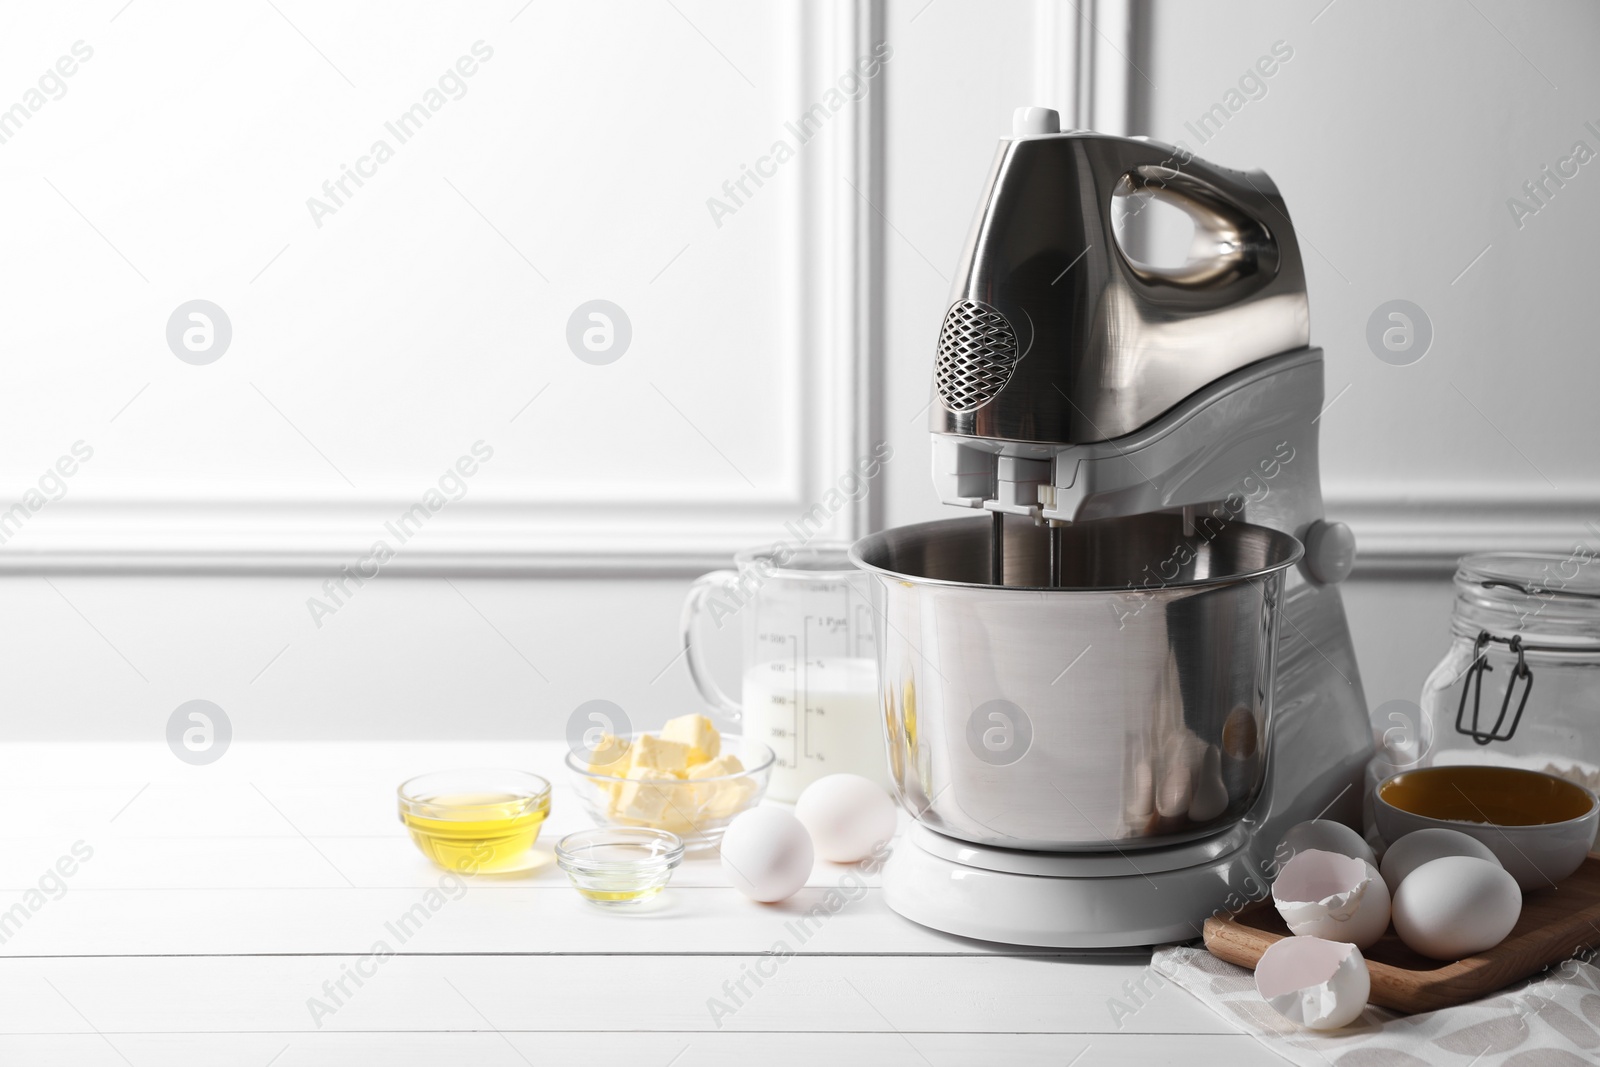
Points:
(218, 900)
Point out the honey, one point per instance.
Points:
(477, 833)
(1498, 796)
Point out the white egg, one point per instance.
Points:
(1316, 983)
(1339, 898)
(1329, 836)
(1455, 907)
(766, 854)
(848, 816)
(1424, 846)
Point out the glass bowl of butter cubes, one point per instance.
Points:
(685, 778)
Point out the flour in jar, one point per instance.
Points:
(819, 717)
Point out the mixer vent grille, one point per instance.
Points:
(977, 353)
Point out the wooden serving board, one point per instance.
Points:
(1555, 923)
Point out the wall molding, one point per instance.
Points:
(466, 537)
(1397, 537)
(1424, 536)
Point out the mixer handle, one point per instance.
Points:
(698, 671)
(1232, 245)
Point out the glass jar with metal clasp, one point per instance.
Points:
(1520, 684)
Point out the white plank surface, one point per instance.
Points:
(505, 1049)
(690, 994)
(219, 900)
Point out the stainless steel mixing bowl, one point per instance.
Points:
(1127, 707)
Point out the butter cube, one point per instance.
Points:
(651, 753)
(720, 799)
(717, 768)
(610, 756)
(674, 821)
(732, 797)
(697, 732)
(642, 801)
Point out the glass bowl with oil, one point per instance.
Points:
(481, 821)
(619, 865)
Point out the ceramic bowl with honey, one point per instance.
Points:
(1540, 827)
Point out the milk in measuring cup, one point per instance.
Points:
(819, 717)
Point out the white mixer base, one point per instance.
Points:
(1061, 910)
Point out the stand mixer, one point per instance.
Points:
(1106, 702)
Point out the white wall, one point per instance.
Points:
(1396, 133)
(406, 657)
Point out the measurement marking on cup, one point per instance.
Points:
(1071, 665)
(802, 737)
(795, 711)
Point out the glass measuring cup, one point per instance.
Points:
(809, 668)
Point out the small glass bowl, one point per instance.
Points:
(697, 810)
(619, 866)
(481, 821)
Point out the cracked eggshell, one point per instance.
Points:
(1329, 836)
(1320, 984)
(1338, 898)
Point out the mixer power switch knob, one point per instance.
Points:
(1032, 121)
(1330, 551)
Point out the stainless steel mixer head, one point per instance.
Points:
(1058, 344)
(1056, 336)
